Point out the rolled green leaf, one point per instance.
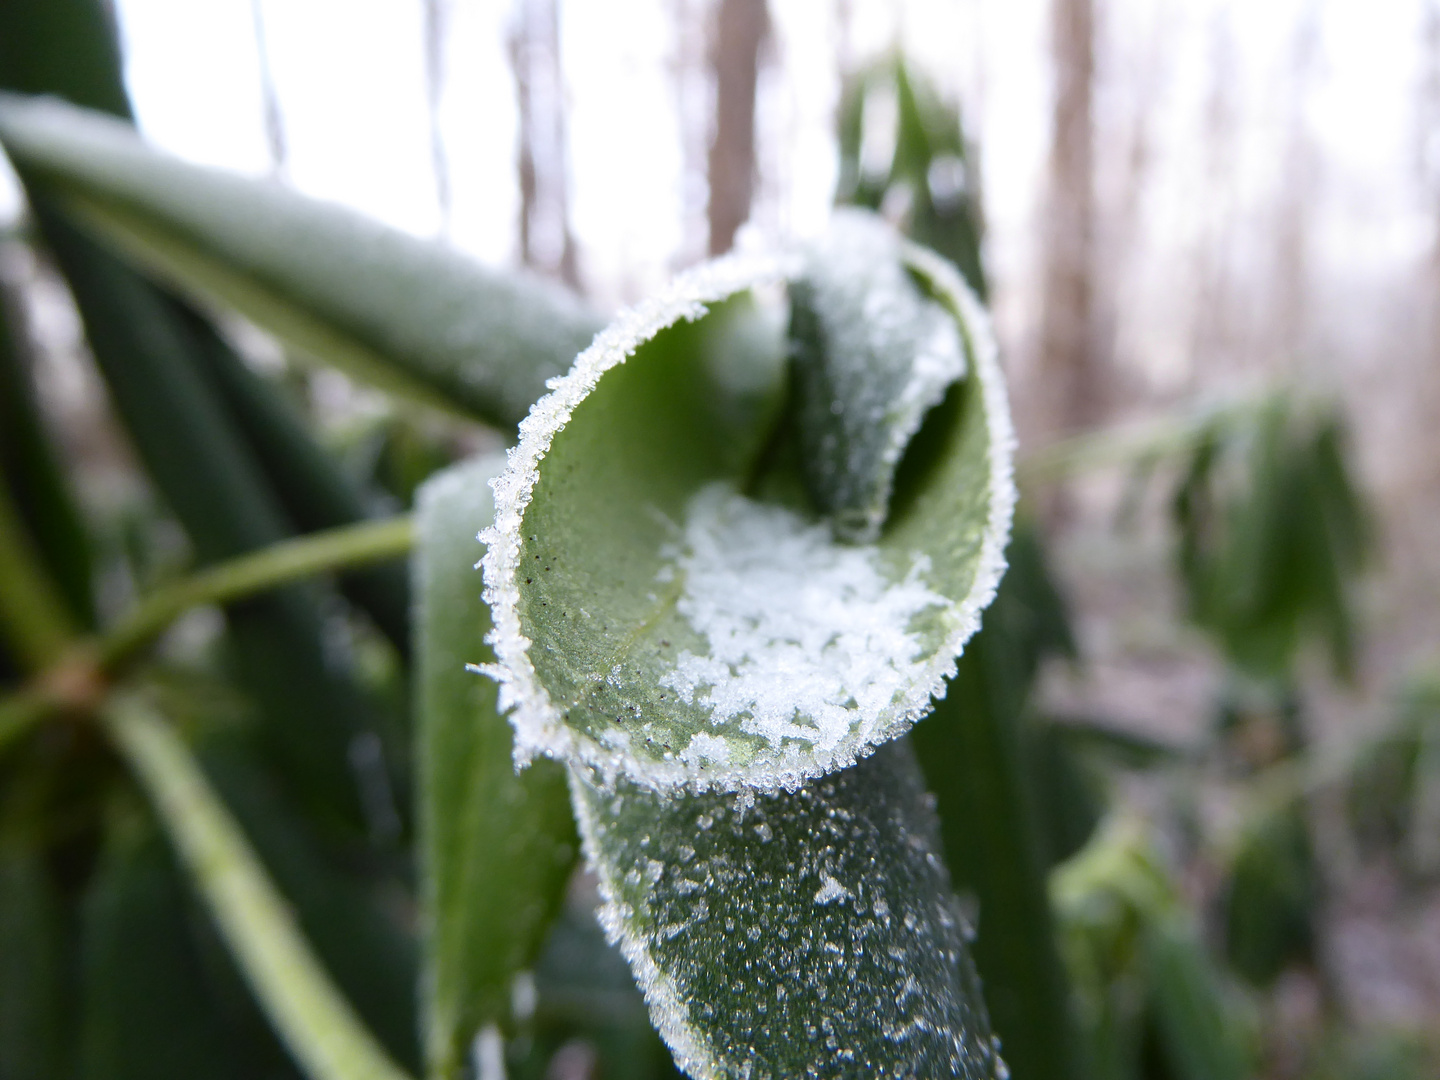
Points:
(497, 848)
(408, 315)
(782, 934)
(669, 605)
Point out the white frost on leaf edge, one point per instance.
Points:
(663, 999)
(538, 723)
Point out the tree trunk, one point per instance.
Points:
(1070, 387)
(546, 242)
(271, 116)
(740, 29)
(436, 14)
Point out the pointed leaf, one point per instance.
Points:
(806, 933)
(409, 315)
(496, 848)
(670, 608)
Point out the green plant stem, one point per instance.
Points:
(315, 1022)
(32, 612)
(275, 565)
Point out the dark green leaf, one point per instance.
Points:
(670, 608)
(341, 907)
(31, 469)
(32, 968)
(1065, 788)
(1193, 1015)
(930, 172)
(1272, 898)
(144, 344)
(408, 315)
(496, 848)
(810, 933)
(63, 47)
(1149, 1000)
(972, 754)
(314, 491)
(146, 1008)
(1271, 534)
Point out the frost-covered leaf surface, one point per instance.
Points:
(810, 933)
(411, 316)
(873, 354)
(496, 848)
(670, 605)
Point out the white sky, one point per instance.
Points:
(349, 75)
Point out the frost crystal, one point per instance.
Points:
(808, 638)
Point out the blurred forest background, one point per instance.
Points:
(1211, 238)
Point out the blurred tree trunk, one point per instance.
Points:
(271, 115)
(546, 242)
(740, 29)
(437, 22)
(1070, 391)
(690, 80)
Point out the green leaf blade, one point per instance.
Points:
(312, 488)
(32, 965)
(408, 315)
(146, 1010)
(497, 848)
(31, 466)
(807, 933)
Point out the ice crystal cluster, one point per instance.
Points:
(804, 635)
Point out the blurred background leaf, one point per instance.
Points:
(496, 848)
